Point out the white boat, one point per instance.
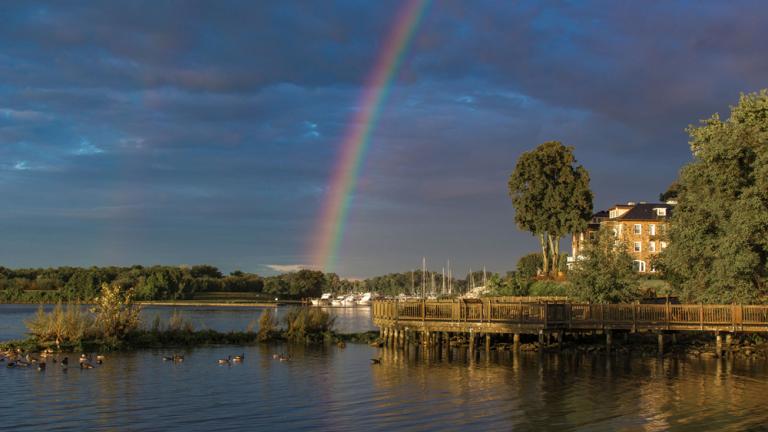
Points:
(324, 300)
(338, 301)
(349, 300)
(365, 300)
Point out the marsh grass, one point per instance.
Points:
(308, 324)
(179, 323)
(64, 325)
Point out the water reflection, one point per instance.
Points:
(328, 388)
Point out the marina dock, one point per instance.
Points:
(435, 321)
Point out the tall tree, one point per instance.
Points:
(718, 249)
(551, 197)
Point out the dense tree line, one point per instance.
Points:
(156, 282)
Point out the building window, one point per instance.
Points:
(661, 211)
(652, 229)
(663, 245)
(638, 247)
(612, 214)
(638, 229)
(652, 246)
(638, 266)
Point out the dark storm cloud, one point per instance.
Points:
(183, 132)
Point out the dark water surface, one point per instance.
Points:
(330, 388)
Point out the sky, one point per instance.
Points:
(169, 132)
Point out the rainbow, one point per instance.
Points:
(330, 227)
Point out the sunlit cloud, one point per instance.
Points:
(21, 166)
(311, 130)
(287, 268)
(87, 149)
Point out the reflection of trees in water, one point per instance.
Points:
(535, 391)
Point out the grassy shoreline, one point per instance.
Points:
(152, 339)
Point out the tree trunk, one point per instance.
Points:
(544, 254)
(554, 250)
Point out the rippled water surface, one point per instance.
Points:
(331, 388)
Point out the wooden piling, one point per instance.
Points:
(516, 342)
(661, 343)
(718, 344)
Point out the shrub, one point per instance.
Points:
(267, 325)
(116, 314)
(547, 289)
(304, 323)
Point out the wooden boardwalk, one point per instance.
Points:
(399, 320)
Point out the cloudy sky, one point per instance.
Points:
(206, 132)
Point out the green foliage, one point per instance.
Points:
(511, 285)
(529, 265)
(303, 323)
(718, 238)
(547, 288)
(551, 197)
(671, 193)
(605, 273)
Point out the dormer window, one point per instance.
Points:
(661, 211)
(612, 214)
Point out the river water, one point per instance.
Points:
(338, 389)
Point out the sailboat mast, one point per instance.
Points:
(442, 287)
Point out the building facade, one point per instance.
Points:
(642, 226)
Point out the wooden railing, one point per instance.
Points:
(576, 315)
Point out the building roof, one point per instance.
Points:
(646, 211)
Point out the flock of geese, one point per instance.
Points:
(20, 359)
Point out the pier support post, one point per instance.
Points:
(661, 343)
(487, 343)
(541, 339)
(516, 342)
(728, 341)
(718, 344)
(471, 342)
(385, 333)
(674, 338)
(608, 340)
(559, 339)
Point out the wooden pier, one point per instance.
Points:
(432, 321)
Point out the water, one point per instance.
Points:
(348, 320)
(329, 388)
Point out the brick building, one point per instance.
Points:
(642, 225)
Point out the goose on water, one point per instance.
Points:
(238, 358)
(226, 361)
